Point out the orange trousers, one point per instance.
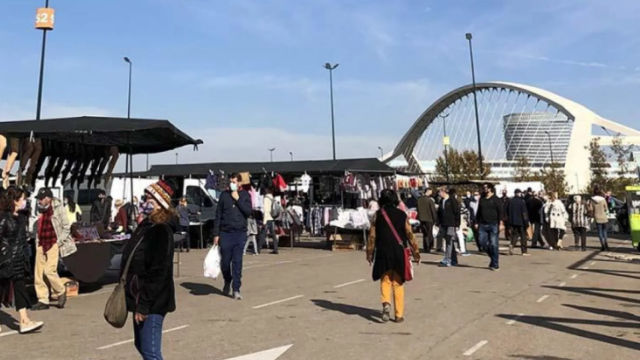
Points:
(390, 285)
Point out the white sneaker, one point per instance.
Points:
(30, 327)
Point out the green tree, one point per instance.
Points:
(626, 169)
(553, 179)
(522, 171)
(462, 166)
(598, 164)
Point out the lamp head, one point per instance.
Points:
(126, 59)
(469, 36)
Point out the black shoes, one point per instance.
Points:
(40, 306)
(227, 289)
(62, 299)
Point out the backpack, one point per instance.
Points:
(276, 209)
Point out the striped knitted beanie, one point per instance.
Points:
(161, 192)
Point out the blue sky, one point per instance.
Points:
(245, 75)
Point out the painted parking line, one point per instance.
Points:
(475, 348)
(277, 302)
(286, 262)
(7, 333)
(131, 340)
(592, 263)
(349, 283)
(574, 276)
(543, 298)
(513, 321)
(562, 284)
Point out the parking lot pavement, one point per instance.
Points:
(315, 304)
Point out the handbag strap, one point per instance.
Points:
(126, 266)
(393, 229)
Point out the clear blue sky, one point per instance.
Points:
(245, 75)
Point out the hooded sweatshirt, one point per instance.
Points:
(600, 209)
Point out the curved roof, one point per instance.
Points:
(568, 107)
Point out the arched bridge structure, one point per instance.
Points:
(516, 121)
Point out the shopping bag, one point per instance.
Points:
(212, 263)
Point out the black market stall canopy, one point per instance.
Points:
(131, 136)
(311, 167)
(76, 145)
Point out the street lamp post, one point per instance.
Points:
(176, 158)
(381, 152)
(475, 103)
(291, 153)
(44, 21)
(128, 61)
(271, 153)
(550, 147)
(445, 142)
(330, 67)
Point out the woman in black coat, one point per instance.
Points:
(14, 263)
(386, 253)
(150, 291)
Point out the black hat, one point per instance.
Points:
(44, 193)
(518, 191)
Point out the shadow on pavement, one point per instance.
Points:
(437, 263)
(542, 357)
(201, 289)
(367, 314)
(596, 292)
(612, 313)
(9, 321)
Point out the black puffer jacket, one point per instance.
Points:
(13, 240)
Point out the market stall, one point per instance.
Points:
(82, 149)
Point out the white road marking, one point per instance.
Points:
(475, 348)
(574, 276)
(513, 321)
(562, 284)
(277, 302)
(543, 298)
(592, 263)
(349, 283)
(8, 333)
(272, 354)
(585, 268)
(286, 262)
(131, 340)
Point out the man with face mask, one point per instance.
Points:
(230, 232)
(53, 237)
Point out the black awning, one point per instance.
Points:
(132, 136)
(337, 167)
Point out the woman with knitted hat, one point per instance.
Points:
(150, 290)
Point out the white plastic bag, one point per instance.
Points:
(212, 263)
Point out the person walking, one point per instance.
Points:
(557, 217)
(473, 212)
(14, 263)
(579, 223)
(449, 219)
(269, 222)
(534, 208)
(489, 222)
(599, 209)
(427, 215)
(53, 237)
(505, 200)
(230, 232)
(390, 234)
(518, 222)
(150, 290)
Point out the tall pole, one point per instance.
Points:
(550, 148)
(44, 21)
(330, 67)
(271, 153)
(445, 142)
(291, 153)
(381, 152)
(475, 103)
(176, 158)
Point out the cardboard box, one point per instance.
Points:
(72, 286)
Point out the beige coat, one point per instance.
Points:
(62, 227)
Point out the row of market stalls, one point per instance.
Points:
(83, 149)
(322, 197)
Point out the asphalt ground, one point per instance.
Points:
(566, 305)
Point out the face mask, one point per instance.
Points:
(22, 206)
(233, 187)
(477, 197)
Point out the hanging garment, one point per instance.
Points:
(223, 182)
(279, 184)
(245, 178)
(211, 182)
(305, 181)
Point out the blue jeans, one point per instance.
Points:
(148, 337)
(231, 253)
(489, 240)
(270, 229)
(602, 233)
(450, 255)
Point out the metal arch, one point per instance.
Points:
(408, 141)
